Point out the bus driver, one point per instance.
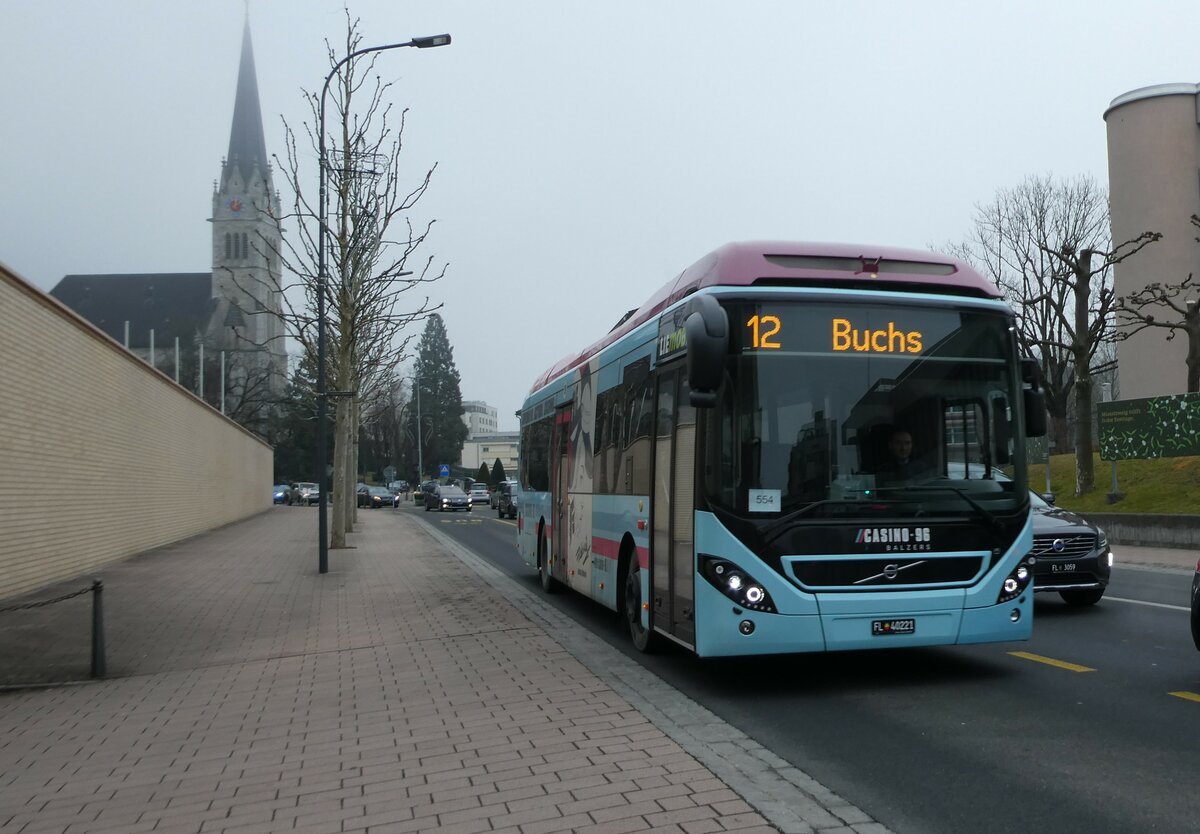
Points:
(901, 467)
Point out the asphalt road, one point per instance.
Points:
(1093, 725)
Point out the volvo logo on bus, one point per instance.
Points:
(1059, 546)
(894, 539)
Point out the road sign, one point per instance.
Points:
(444, 470)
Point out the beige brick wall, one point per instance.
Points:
(100, 456)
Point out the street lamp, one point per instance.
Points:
(322, 410)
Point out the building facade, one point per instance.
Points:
(1154, 185)
(487, 449)
(479, 417)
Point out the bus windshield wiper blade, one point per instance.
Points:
(983, 511)
(770, 531)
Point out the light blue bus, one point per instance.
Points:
(792, 447)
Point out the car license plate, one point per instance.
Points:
(1062, 567)
(881, 627)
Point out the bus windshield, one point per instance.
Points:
(838, 409)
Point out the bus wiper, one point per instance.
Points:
(983, 511)
(779, 525)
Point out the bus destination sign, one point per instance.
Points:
(672, 338)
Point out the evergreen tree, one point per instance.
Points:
(482, 475)
(294, 428)
(498, 473)
(443, 430)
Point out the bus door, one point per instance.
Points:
(672, 561)
(560, 475)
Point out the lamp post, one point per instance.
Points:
(322, 394)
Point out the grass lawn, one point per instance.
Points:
(1165, 485)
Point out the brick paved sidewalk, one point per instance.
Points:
(399, 692)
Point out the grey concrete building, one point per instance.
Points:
(479, 417)
(1154, 185)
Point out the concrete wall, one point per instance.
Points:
(1149, 529)
(102, 457)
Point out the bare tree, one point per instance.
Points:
(1047, 245)
(373, 258)
(1137, 311)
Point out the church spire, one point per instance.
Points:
(247, 147)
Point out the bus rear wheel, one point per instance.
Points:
(643, 638)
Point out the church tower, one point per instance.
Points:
(246, 274)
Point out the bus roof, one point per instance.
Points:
(792, 263)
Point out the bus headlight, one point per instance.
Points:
(1015, 583)
(736, 584)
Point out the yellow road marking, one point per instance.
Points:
(1187, 696)
(1049, 661)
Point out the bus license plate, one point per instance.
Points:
(881, 627)
(1062, 567)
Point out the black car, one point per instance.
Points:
(506, 500)
(1073, 556)
(424, 493)
(448, 497)
(1196, 606)
(378, 496)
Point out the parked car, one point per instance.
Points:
(478, 493)
(1073, 556)
(494, 498)
(305, 493)
(280, 493)
(447, 497)
(378, 496)
(362, 495)
(1196, 606)
(506, 504)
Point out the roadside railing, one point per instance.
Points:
(96, 589)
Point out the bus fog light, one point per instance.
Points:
(746, 626)
(754, 595)
(1015, 615)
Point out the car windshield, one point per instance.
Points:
(857, 409)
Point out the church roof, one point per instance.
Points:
(247, 147)
(171, 303)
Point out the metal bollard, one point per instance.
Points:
(99, 669)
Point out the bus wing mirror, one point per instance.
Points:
(1035, 399)
(706, 327)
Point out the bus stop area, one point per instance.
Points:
(400, 691)
(411, 688)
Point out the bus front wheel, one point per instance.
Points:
(643, 638)
(549, 585)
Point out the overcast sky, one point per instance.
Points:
(587, 152)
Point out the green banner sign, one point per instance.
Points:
(1156, 427)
